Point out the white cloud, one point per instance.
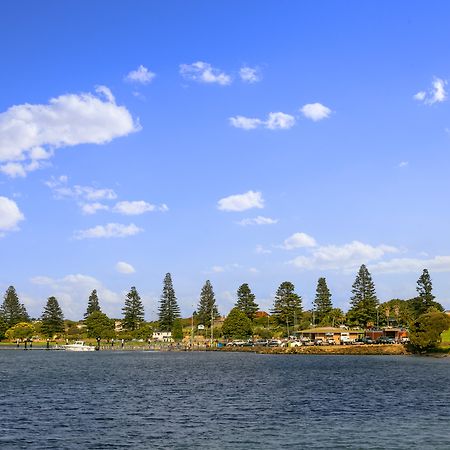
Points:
(250, 74)
(399, 265)
(299, 240)
(280, 121)
(72, 292)
(241, 202)
(110, 230)
(137, 207)
(203, 72)
(30, 133)
(260, 250)
(259, 220)
(217, 269)
(253, 270)
(225, 268)
(92, 208)
(344, 257)
(10, 215)
(123, 267)
(141, 75)
(246, 123)
(436, 93)
(403, 164)
(315, 111)
(274, 121)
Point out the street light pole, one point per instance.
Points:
(212, 324)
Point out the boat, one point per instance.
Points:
(79, 346)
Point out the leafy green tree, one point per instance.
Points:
(237, 325)
(21, 330)
(11, 310)
(287, 307)
(207, 305)
(364, 300)
(169, 310)
(93, 304)
(98, 324)
(425, 332)
(177, 330)
(246, 301)
(133, 311)
(322, 302)
(395, 311)
(335, 317)
(52, 319)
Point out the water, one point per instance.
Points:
(144, 400)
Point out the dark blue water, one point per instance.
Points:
(102, 400)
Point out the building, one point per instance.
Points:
(337, 334)
(162, 336)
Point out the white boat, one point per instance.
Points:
(79, 346)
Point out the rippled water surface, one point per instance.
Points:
(147, 400)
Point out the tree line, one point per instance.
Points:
(287, 312)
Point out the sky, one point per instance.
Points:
(241, 142)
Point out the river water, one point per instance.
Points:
(150, 400)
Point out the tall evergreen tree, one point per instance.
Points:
(133, 311)
(93, 304)
(322, 302)
(246, 301)
(425, 301)
(169, 310)
(287, 307)
(364, 299)
(11, 310)
(207, 305)
(52, 318)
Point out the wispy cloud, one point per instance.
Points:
(342, 257)
(203, 72)
(261, 250)
(141, 75)
(403, 164)
(259, 220)
(250, 74)
(436, 94)
(137, 207)
(241, 202)
(399, 265)
(274, 121)
(110, 230)
(315, 111)
(30, 133)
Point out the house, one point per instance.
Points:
(162, 336)
(336, 334)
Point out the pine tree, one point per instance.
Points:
(364, 299)
(52, 318)
(425, 301)
(93, 304)
(287, 308)
(133, 311)
(322, 302)
(246, 301)
(11, 310)
(169, 310)
(207, 305)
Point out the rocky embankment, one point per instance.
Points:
(391, 349)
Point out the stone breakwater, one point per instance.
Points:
(392, 349)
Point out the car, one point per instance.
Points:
(385, 340)
(295, 344)
(330, 341)
(274, 343)
(404, 340)
(318, 341)
(261, 343)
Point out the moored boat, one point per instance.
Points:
(79, 346)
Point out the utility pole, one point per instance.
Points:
(212, 324)
(192, 330)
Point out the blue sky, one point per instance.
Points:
(238, 142)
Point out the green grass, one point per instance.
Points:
(446, 336)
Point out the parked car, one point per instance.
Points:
(404, 340)
(318, 341)
(296, 344)
(274, 343)
(330, 341)
(261, 343)
(385, 340)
